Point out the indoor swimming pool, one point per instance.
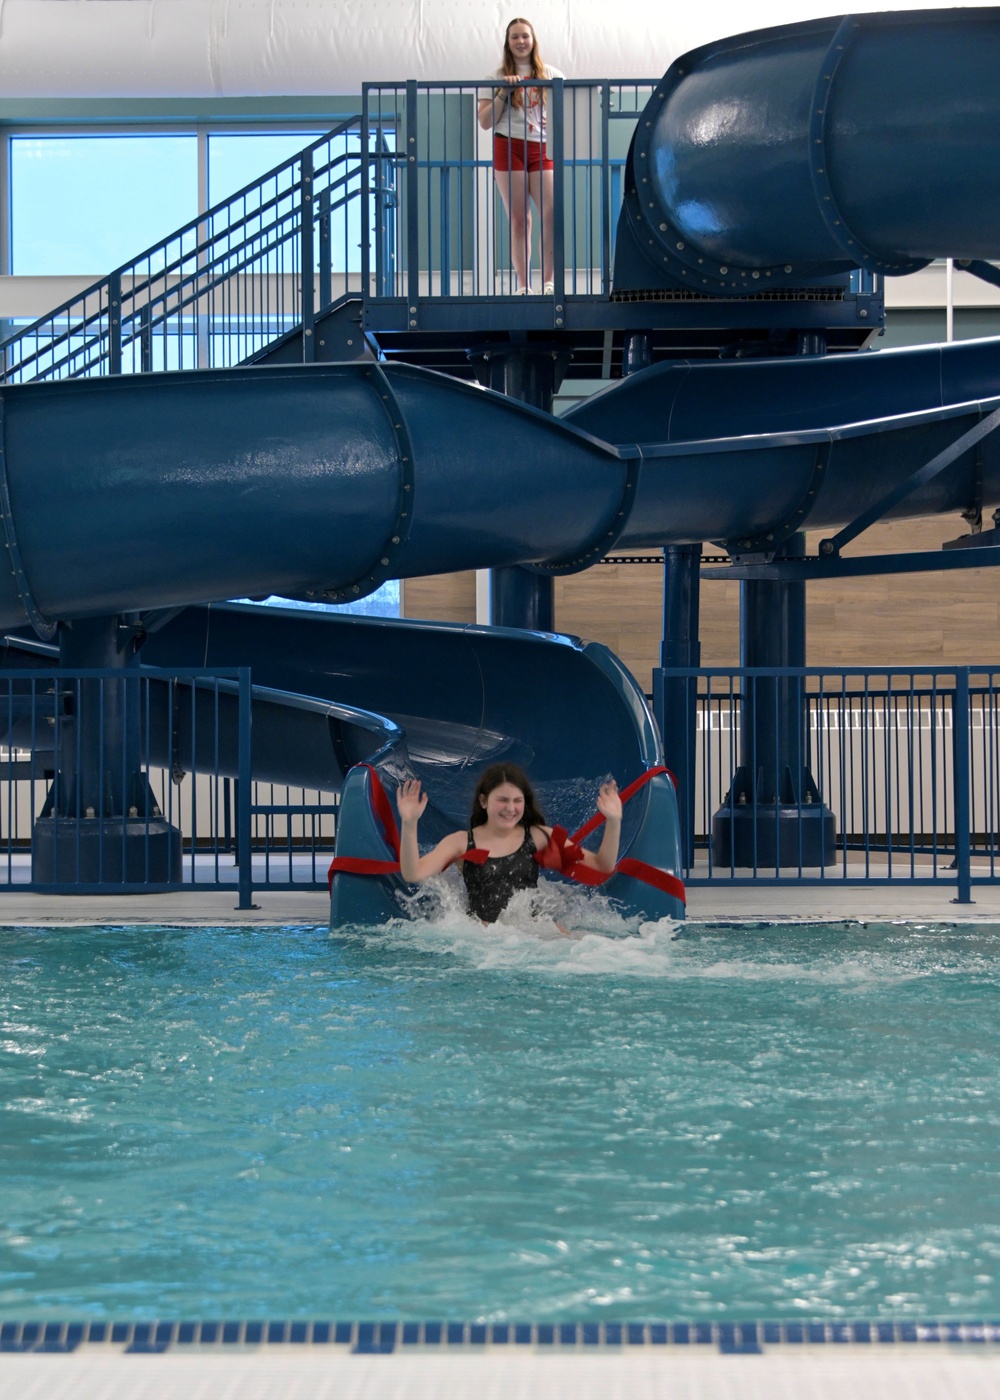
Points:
(449, 1121)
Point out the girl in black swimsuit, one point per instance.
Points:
(506, 823)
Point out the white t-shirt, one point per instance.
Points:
(526, 123)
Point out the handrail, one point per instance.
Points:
(254, 227)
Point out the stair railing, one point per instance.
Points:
(258, 267)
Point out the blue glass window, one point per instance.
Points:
(235, 161)
(87, 204)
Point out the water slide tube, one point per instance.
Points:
(323, 479)
(162, 490)
(801, 152)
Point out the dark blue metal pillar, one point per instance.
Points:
(100, 824)
(774, 815)
(519, 597)
(675, 698)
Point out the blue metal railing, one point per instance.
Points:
(906, 760)
(442, 228)
(188, 771)
(396, 203)
(256, 267)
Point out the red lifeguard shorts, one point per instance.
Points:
(511, 154)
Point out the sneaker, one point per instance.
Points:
(549, 290)
(521, 292)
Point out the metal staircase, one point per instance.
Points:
(272, 273)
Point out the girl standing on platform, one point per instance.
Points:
(521, 167)
(508, 827)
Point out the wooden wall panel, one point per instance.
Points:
(444, 598)
(931, 619)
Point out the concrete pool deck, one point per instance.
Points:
(309, 1373)
(835, 901)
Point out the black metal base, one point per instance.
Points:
(105, 851)
(774, 834)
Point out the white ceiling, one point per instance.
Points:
(238, 48)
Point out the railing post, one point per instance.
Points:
(366, 200)
(388, 203)
(412, 206)
(326, 253)
(243, 814)
(605, 188)
(307, 268)
(145, 340)
(558, 154)
(960, 750)
(115, 323)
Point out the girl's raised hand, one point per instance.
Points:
(410, 801)
(609, 804)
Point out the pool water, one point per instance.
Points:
(444, 1120)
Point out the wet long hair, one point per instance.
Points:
(495, 776)
(510, 64)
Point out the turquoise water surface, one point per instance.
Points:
(450, 1121)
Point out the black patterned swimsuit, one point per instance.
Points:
(491, 884)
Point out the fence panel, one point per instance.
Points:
(442, 223)
(904, 761)
(138, 780)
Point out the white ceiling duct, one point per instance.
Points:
(261, 48)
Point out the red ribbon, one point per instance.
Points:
(562, 852)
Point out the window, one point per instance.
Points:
(87, 204)
(238, 160)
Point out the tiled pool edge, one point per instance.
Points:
(386, 1338)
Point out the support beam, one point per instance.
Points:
(675, 698)
(774, 815)
(532, 374)
(100, 824)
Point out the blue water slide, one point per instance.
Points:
(454, 699)
(155, 491)
(320, 480)
(803, 152)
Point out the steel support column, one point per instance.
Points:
(519, 597)
(774, 815)
(100, 824)
(675, 698)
